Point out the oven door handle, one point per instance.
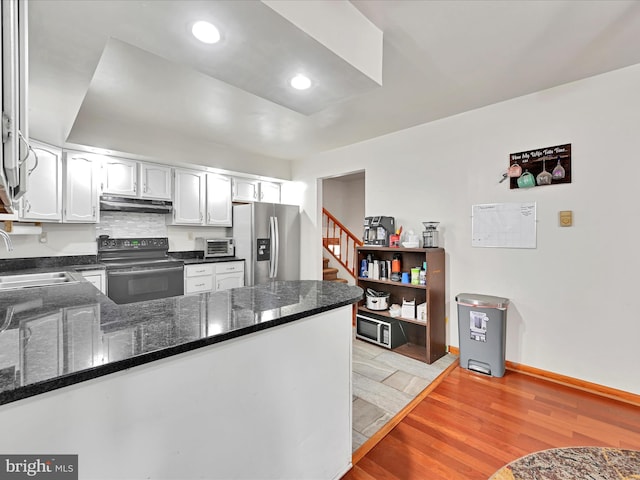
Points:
(140, 272)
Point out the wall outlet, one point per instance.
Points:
(43, 237)
(190, 235)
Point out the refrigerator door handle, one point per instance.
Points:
(277, 247)
(272, 254)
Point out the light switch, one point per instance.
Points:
(566, 218)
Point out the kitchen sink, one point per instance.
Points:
(10, 282)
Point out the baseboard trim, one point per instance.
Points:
(367, 446)
(595, 388)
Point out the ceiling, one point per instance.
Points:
(98, 66)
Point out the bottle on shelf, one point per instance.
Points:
(396, 268)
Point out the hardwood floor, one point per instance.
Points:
(471, 425)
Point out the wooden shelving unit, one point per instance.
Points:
(425, 341)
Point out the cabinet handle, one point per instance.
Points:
(135, 187)
(144, 188)
(199, 284)
(28, 205)
(94, 212)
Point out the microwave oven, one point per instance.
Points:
(215, 247)
(387, 333)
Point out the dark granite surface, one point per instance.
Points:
(81, 261)
(51, 337)
(192, 261)
(90, 262)
(197, 256)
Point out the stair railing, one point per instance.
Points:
(340, 242)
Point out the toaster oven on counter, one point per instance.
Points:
(215, 247)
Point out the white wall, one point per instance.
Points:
(61, 240)
(344, 198)
(573, 298)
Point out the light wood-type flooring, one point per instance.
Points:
(471, 425)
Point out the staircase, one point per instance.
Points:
(330, 274)
(340, 243)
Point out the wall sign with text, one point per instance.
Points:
(540, 167)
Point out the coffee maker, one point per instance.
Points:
(377, 230)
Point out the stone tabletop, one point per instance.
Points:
(51, 337)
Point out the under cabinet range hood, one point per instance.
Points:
(109, 203)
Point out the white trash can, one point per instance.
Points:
(482, 332)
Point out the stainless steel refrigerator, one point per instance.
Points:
(267, 236)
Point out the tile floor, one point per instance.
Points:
(383, 383)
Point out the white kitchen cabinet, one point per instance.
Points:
(188, 197)
(213, 277)
(219, 204)
(155, 181)
(245, 190)
(198, 278)
(270, 192)
(97, 278)
(43, 200)
(120, 177)
(249, 190)
(129, 178)
(80, 188)
(228, 275)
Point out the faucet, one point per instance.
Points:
(7, 240)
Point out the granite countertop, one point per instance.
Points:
(55, 336)
(90, 262)
(192, 261)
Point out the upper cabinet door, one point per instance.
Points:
(188, 197)
(245, 190)
(120, 177)
(43, 200)
(270, 192)
(80, 188)
(156, 181)
(219, 206)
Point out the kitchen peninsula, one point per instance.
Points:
(252, 382)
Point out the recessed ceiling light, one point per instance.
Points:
(300, 82)
(205, 32)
